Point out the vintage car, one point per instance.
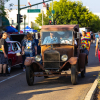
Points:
(14, 54)
(60, 52)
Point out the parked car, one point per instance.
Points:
(59, 53)
(14, 54)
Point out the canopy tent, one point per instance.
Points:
(28, 29)
(11, 29)
(21, 32)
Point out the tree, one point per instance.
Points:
(69, 12)
(36, 28)
(45, 19)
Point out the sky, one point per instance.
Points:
(94, 5)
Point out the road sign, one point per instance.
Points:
(49, 16)
(53, 11)
(33, 10)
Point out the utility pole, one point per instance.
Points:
(18, 16)
(52, 11)
(42, 17)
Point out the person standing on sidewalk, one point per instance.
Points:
(97, 48)
(28, 47)
(85, 44)
(3, 54)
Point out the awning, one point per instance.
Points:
(5, 21)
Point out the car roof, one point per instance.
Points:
(59, 27)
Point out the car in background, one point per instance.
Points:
(14, 54)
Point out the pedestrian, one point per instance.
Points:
(91, 37)
(3, 54)
(96, 36)
(8, 38)
(97, 48)
(23, 55)
(85, 44)
(29, 46)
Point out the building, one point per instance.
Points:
(30, 16)
(1, 4)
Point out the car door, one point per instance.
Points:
(15, 50)
(11, 54)
(19, 52)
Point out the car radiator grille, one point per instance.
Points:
(51, 60)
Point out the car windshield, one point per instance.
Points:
(56, 37)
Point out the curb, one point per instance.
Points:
(91, 92)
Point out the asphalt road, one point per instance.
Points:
(14, 87)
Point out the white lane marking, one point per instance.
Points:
(10, 77)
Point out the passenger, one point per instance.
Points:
(3, 54)
(28, 47)
(67, 39)
(50, 39)
(85, 44)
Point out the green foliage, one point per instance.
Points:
(39, 19)
(69, 12)
(36, 28)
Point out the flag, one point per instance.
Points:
(29, 3)
(43, 2)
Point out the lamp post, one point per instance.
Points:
(24, 22)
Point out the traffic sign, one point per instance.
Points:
(33, 10)
(49, 16)
(53, 11)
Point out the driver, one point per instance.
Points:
(50, 39)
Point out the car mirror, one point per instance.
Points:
(78, 35)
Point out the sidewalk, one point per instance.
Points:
(94, 92)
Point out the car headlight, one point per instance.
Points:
(38, 58)
(64, 57)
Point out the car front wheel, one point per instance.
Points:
(29, 76)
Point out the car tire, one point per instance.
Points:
(21, 66)
(9, 67)
(29, 76)
(83, 73)
(46, 77)
(74, 78)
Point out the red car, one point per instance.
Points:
(14, 54)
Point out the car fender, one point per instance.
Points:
(29, 61)
(36, 66)
(73, 60)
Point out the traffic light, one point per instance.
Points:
(20, 18)
(47, 6)
(50, 22)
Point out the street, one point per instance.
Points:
(14, 87)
